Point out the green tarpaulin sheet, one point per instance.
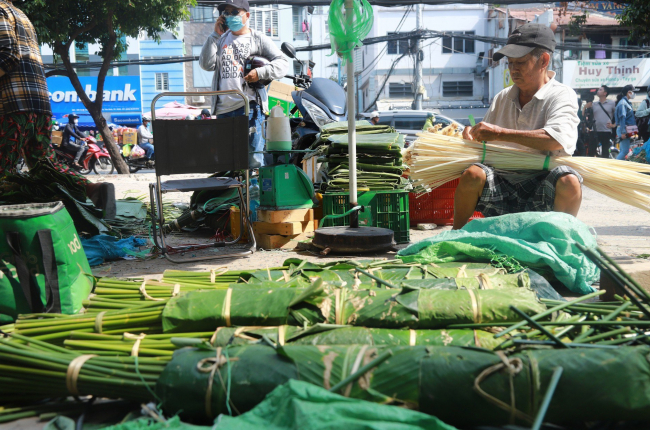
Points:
(540, 240)
(300, 405)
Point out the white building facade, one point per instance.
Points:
(453, 68)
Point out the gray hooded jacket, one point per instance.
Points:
(262, 45)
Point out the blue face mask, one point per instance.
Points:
(235, 23)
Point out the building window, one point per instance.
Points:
(82, 56)
(265, 20)
(456, 45)
(200, 78)
(162, 81)
(402, 91)
(398, 46)
(623, 43)
(202, 14)
(457, 89)
(300, 25)
(120, 70)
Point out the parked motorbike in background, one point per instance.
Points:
(322, 101)
(95, 158)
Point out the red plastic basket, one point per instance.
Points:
(436, 207)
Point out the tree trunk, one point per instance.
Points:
(109, 142)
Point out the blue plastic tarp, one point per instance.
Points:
(103, 248)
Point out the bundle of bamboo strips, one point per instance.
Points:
(437, 158)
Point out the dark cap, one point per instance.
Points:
(524, 39)
(239, 4)
(629, 87)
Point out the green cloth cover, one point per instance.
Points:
(536, 239)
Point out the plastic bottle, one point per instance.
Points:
(254, 192)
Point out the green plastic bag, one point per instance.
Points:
(300, 405)
(43, 267)
(347, 32)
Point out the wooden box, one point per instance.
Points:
(57, 137)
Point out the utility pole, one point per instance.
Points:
(419, 85)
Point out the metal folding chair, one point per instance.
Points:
(206, 146)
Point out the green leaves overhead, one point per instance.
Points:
(58, 22)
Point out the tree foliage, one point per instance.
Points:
(62, 23)
(636, 16)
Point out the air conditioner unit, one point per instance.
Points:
(198, 99)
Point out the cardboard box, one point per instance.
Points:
(281, 91)
(234, 225)
(284, 228)
(312, 169)
(293, 215)
(57, 137)
(276, 241)
(130, 137)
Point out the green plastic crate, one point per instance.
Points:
(385, 209)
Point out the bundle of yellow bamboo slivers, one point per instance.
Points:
(441, 155)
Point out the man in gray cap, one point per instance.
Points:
(537, 114)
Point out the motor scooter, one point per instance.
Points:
(321, 102)
(136, 163)
(95, 158)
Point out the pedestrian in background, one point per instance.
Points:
(374, 118)
(643, 117)
(604, 111)
(624, 118)
(589, 123)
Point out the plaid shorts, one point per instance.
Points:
(533, 194)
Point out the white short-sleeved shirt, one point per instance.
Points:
(554, 108)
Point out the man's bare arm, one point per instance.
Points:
(534, 139)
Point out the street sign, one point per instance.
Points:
(601, 6)
(121, 94)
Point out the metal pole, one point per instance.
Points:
(418, 60)
(340, 78)
(352, 130)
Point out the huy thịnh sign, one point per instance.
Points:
(613, 73)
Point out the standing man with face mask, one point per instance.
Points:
(225, 53)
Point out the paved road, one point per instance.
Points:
(622, 230)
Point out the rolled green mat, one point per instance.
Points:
(200, 311)
(597, 384)
(324, 334)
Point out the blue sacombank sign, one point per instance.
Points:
(121, 94)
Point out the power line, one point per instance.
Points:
(385, 3)
(385, 49)
(143, 62)
(427, 34)
(383, 85)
